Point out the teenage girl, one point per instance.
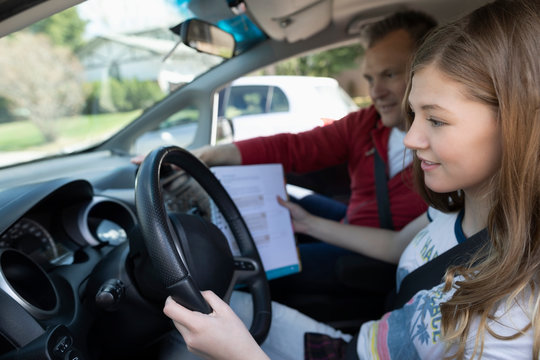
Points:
(474, 128)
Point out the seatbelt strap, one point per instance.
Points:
(381, 191)
(432, 273)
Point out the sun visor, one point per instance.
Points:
(290, 20)
(218, 11)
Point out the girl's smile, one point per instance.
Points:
(427, 165)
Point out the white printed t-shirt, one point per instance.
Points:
(414, 331)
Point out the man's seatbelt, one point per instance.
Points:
(350, 268)
(432, 273)
(381, 191)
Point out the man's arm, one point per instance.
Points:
(382, 244)
(227, 154)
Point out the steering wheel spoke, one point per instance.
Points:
(246, 270)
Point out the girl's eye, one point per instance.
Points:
(435, 123)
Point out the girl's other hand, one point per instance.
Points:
(301, 219)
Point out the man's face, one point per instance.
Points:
(384, 69)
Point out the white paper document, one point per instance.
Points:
(254, 190)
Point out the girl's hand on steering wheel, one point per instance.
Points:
(218, 335)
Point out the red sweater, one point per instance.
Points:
(350, 139)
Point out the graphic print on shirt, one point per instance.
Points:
(412, 332)
(426, 322)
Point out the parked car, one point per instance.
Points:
(91, 244)
(263, 105)
(267, 105)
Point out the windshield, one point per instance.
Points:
(72, 80)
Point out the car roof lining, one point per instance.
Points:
(292, 21)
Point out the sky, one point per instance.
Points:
(115, 16)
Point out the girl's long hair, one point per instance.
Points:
(495, 53)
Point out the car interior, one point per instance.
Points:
(92, 244)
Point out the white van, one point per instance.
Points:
(267, 105)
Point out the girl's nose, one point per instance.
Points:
(415, 138)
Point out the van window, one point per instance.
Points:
(279, 102)
(255, 99)
(246, 100)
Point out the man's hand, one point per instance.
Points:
(137, 160)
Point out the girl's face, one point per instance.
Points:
(457, 139)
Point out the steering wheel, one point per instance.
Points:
(167, 241)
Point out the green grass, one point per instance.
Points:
(19, 135)
(24, 135)
(94, 125)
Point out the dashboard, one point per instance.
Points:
(53, 235)
(74, 268)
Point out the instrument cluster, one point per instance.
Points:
(50, 235)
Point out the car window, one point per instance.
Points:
(246, 100)
(190, 114)
(76, 78)
(279, 102)
(178, 129)
(254, 105)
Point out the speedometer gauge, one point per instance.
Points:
(31, 238)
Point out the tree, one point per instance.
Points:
(41, 79)
(64, 29)
(326, 63)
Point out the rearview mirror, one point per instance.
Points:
(205, 37)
